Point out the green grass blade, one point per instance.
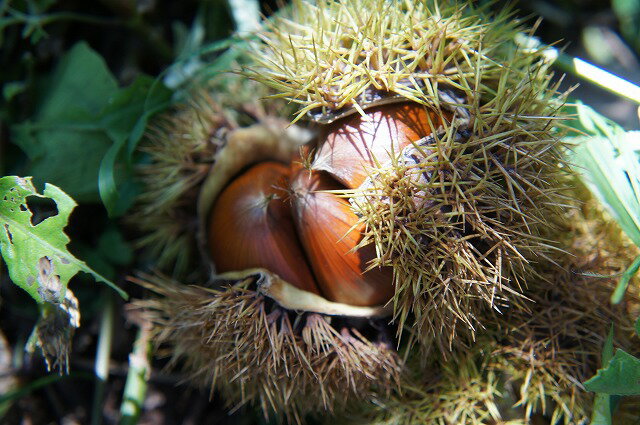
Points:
(40, 383)
(621, 288)
(583, 69)
(602, 403)
(103, 357)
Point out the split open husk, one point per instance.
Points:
(249, 333)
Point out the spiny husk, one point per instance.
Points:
(461, 215)
(238, 341)
(549, 351)
(461, 391)
(464, 217)
(535, 371)
(532, 363)
(181, 146)
(329, 55)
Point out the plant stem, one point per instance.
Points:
(103, 355)
(135, 23)
(135, 389)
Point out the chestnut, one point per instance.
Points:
(352, 145)
(311, 241)
(431, 135)
(331, 233)
(251, 226)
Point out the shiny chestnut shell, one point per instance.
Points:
(251, 226)
(352, 145)
(330, 232)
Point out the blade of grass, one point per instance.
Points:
(599, 77)
(40, 383)
(246, 14)
(608, 163)
(603, 403)
(583, 69)
(621, 288)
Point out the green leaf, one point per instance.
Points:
(620, 377)
(40, 263)
(78, 135)
(598, 162)
(37, 256)
(638, 326)
(110, 252)
(114, 248)
(628, 14)
(607, 348)
(602, 403)
(591, 122)
(124, 121)
(608, 163)
(12, 89)
(62, 140)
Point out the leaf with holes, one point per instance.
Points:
(37, 256)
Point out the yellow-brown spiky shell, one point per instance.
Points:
(237, 340)
(331, 55)
(181, 146)
(530, 367)
(461, 215)
(255, 337)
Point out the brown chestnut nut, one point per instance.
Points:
(352, 144)
(330, 232)
(251, 225)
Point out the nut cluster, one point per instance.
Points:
(294, 222)
(460, 213)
